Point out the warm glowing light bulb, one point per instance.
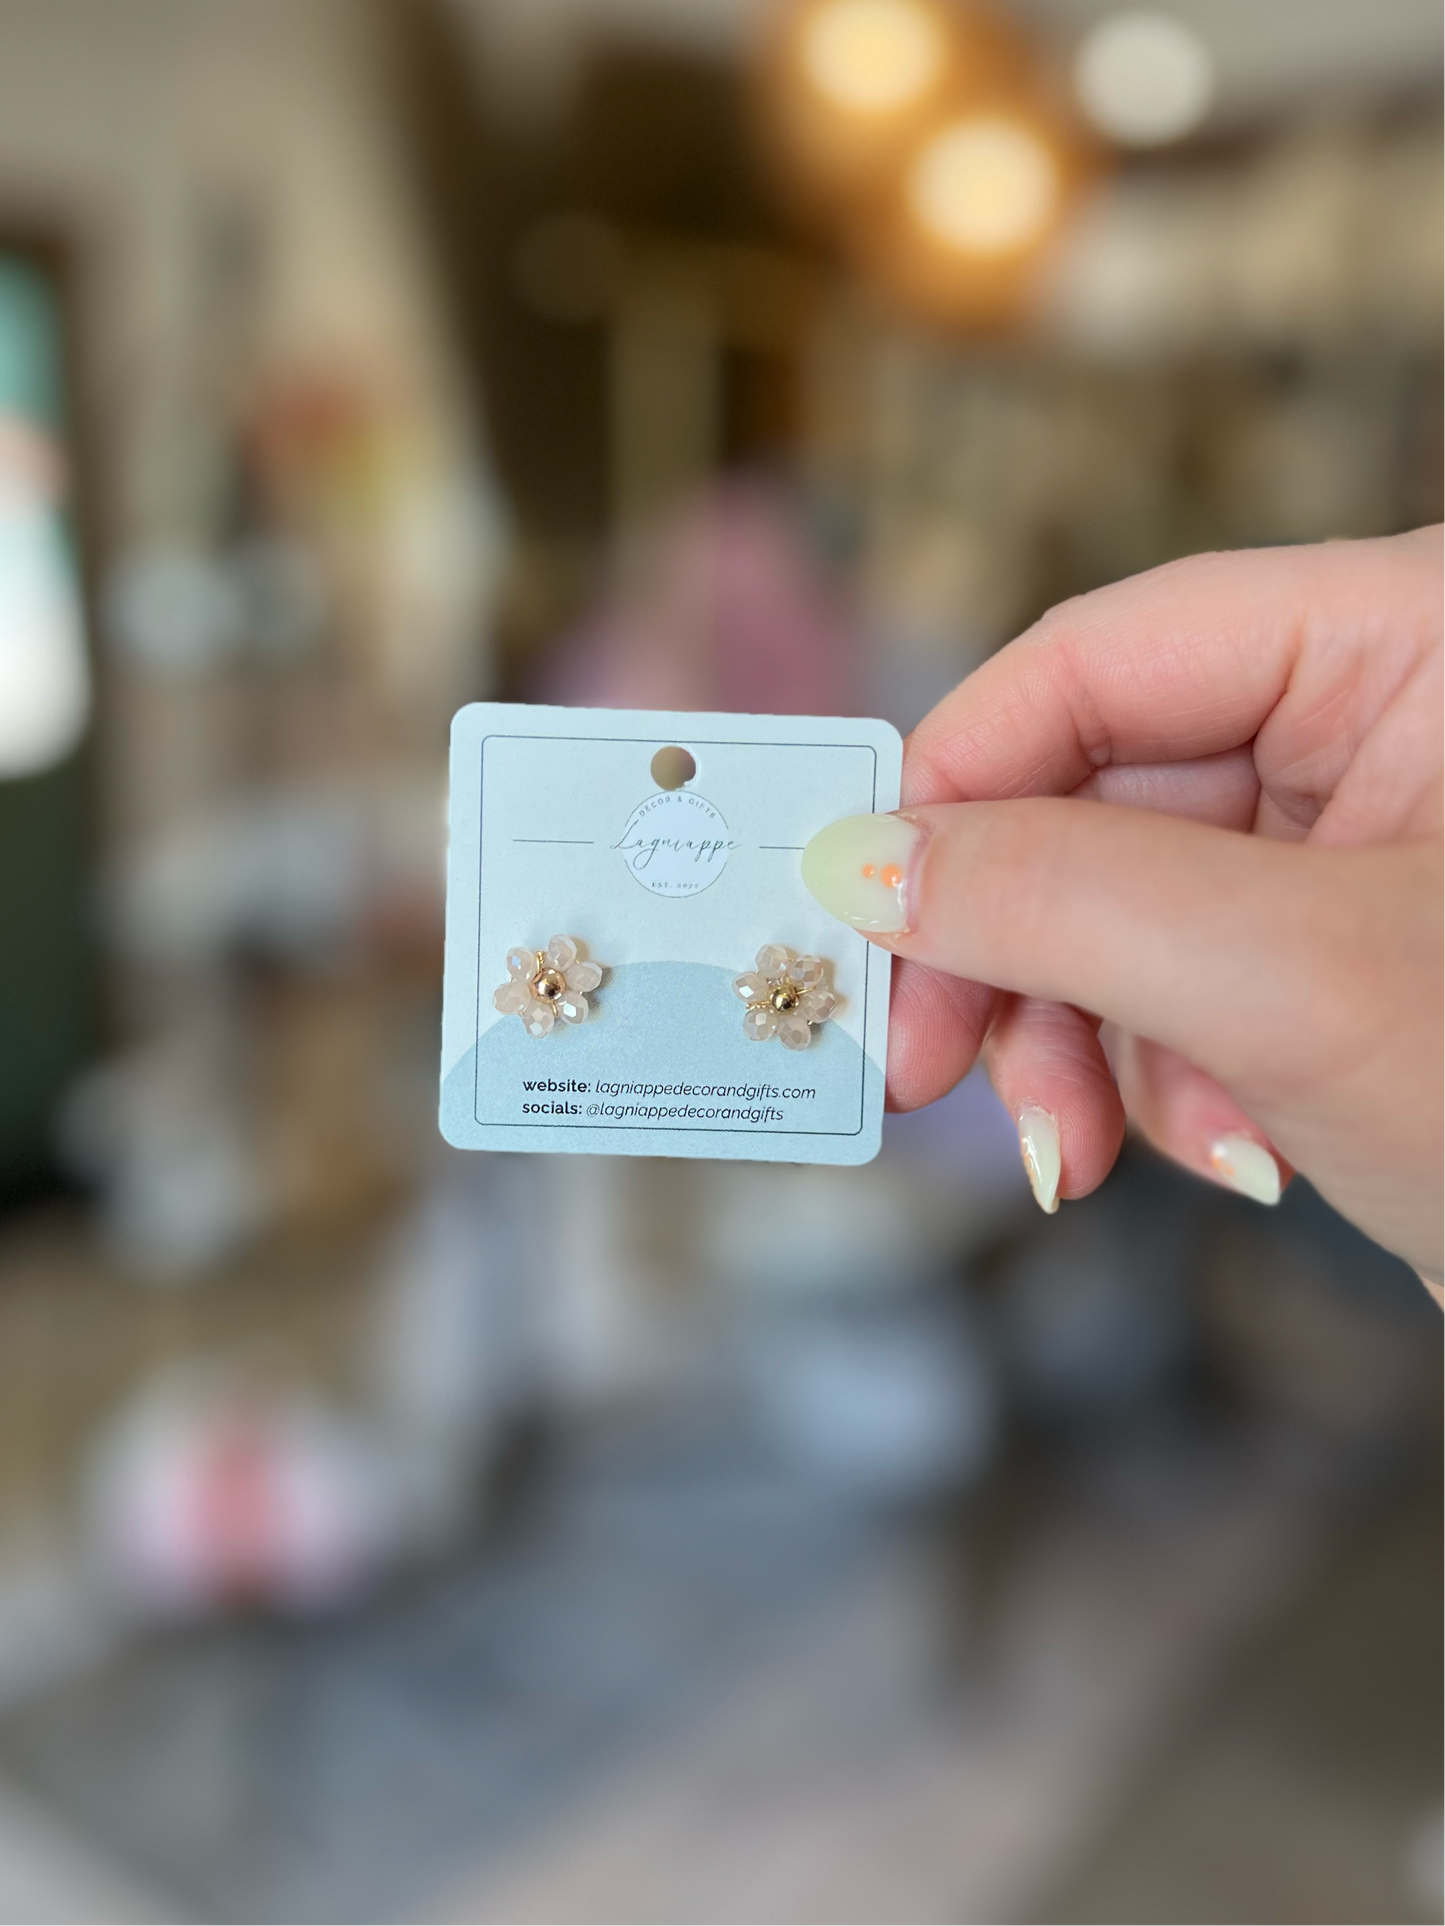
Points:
(1144, 78)
(987, 185)
(872, 56)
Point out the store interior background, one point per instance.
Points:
(392, 1533)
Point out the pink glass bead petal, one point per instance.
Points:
(538, 1017)
(752, 986)
(807, 972)
(793, 1032)
(511, 997)
(758, 1025)
(562, 952)
(521, 963)
(571, 1007)
(818, 1005)
(583, 976)
(773, 959)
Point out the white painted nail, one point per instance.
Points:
(1246, 1167)
(1039, 1142)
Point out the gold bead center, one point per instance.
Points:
(786, 996)
(548, 984)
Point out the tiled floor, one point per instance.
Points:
(260, 1771)
(1309, 1789)
(687, 1691)
(51, 1875)
(1198, 1677)
(843, 1782)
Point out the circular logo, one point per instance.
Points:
(675, 843)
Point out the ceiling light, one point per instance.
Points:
(1144, 78)
(988, 185)
(872, 56)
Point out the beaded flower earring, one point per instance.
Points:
(547, 988)
(785, 995)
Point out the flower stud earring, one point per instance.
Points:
(785, 996)
(546, 988)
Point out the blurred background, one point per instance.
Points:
(390, 1533)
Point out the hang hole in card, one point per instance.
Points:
(672, 767)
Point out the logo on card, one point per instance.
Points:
(675, 843)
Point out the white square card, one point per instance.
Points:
(559, 827)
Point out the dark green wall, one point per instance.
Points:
(46, 1020)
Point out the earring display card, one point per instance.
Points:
(670, 871)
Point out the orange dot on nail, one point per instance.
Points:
(892, 876)
(867, 872)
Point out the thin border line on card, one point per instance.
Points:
(677, 1130)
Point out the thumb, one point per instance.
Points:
(1206, 940)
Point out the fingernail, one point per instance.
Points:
(1246, 1167)
(859, 871)
(1039, 1142)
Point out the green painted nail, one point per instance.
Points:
(859, 868)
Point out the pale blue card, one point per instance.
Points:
(558, 828)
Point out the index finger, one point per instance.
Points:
(1184, 661)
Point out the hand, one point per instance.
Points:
(1203, 805)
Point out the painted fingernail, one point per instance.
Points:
(859, 871)
(1246, 1167)
(1039, 1142)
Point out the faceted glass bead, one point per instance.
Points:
(562, 951)
(773, 959)
(538, 1017)
(512, 997)
(807, 972)
(521, 962)
(752, 987)
(571, 1006)
(583, 976)
(758, 1025)
(818, 1005)
(793, 1032)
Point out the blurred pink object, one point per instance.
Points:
(728, 610)
(209, 1493)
